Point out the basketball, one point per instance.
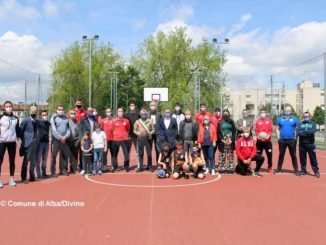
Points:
(263, 135)
(161, 173)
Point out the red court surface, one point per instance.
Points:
(141, 209)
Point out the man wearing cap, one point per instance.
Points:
(286, 135)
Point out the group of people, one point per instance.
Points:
(185, 144)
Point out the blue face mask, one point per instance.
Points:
(109, 114)
(90, 114)
(206, 122)
(306, 119)
(287, 113)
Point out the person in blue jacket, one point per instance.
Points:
(167, 130)
(286, 135)
(306, 133)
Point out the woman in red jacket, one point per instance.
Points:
(207, 138)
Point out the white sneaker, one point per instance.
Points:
(207, 171)
(213, 172)
(82, 172)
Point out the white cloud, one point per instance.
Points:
(258, 52)
(12, 8)
(49, 8)
(181, 11)
(25, 51)
(238, 26)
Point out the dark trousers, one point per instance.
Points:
(11, 147)
(125, 148)
(144, 143)
(133, 141)
(105, 154)
(74, 147)
(268, 147)
(311, 150)
(154, 141)
(291, 144)
(30, 155)
(243, 169)
(57, 147)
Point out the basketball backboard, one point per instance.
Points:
(157, 94)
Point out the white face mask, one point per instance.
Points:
(95, 113)
(153, 107)
(263, 115)
(246, 135)
(177, 108)
(188, 117)
(45, 118)
(60, 113)
(8, 109)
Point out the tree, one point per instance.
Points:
(319, 116)
(171, 60)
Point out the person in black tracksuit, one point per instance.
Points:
(306, 133)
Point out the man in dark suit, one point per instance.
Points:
(167, 130)
(30, 137)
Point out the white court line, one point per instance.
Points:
(154, 186)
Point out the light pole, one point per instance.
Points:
(90, 41)
(217, 42)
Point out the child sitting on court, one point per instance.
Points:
(197, 161)
(99, 142)
(86, 148)
(180, 161)
(165, 160)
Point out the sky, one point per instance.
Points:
(266, 37)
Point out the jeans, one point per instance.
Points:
(268, 147)
(98, 159)
(125, 149)
(42, 156)
(208, 151)
(87, 162)
(141, 144)
(11, 147)
(311, 150)
(291, 144)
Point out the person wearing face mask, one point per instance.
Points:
(99, 147)
(106, 124)
(60, 134)
(96, 115)
(9, 135)
(30, 136)
(120, 131)
(79, 110)
(73, 141)
(178, 114)
(132, 115)
(165, 159)
(226, 143)
(286, 135)
(207, 139)
(180, 163)
(155, 116)
(144, 130)
(168, 129)
(247, 152)
(199, 116)
(243, 122)
(215, 120)
(43, 145)
(87, 124)
(264, 130)
(306, 133)
(188, 131)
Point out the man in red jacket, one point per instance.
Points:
(247, 152)
(264, 130)
(80, 112)
(106, 124)
(199, 116)
(120, 132)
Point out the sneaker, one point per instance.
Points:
(100, 172)
(1, 185)
(256, 174)
(185, 176)
(139, 170)
(317, 174)
(270, 170)
(213, 172)
(126, 170)
(297, 173)
(12, 182)
(82, 172)
(303, 173)
(45, 176)
(94, 172)
(207, 171)
(277, 171)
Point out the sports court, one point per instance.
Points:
(130, 208)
